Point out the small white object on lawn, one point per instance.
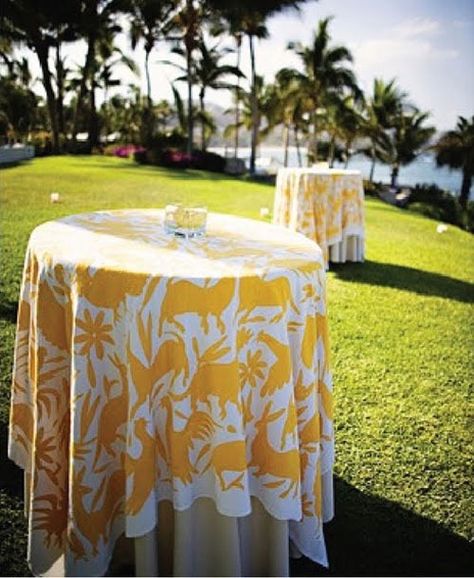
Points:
(264, 212)
(441, 228)
(55, 197)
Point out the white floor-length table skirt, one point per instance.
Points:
(253, 545)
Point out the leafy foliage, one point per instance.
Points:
(455, 149)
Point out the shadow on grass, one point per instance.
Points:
(11, 479)
(183, 174)
(178, 174)
(370, 536)
(15, 164)
(406, 279)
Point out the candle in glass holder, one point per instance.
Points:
(185, 221)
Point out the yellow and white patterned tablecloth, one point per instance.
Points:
(149, 367)
(326, 205)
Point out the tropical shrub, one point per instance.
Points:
(371, 189)
(434, 202)
(41, 140)
(128, 150)
(178, 159)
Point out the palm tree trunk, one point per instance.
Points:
(331, 152)
(189, 44)
(372, 167)
(465, 188)
(313, 149)
(60, 89)
(90, 58)
(394, 177)
(93, 121)
(297, 143)
(203, 121)
(348, 156)
(190, 106)
(254, 105)
(148, 80)
(106, 113)
(147, 128)
(42, 54)
(286, 140)
(237, 99)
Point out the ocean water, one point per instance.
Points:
(421, 171)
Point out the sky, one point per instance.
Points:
(427, 45)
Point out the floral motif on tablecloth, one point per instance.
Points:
(132, 385)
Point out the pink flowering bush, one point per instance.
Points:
(125, 151)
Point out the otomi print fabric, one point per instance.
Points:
(325, 205)
(150, 368)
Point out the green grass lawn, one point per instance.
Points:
(402, 354)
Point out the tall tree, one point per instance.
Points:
(208, 72)
(249, 17)
(292, 104)
(325, 77)
(108, 58)
(455, 149)
(151, 22)
(381, 109)
(187, 24)
(99, 19)
(406, 139)
(17, 108)
(344, 123)
(41, 26)
(266, 110)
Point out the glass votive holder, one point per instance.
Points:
(185, 221)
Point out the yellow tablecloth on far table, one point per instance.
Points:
(326, 205)
(150, 368)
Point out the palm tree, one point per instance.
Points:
(406, 139)
(325, 77)
(99, 20)
(18, 108)
(455, 149)
(187, 22)
(125, 114)
(181, 114)
(247, 119)
(207, 73)
(41, 26)
(381, 109)
(238, 44)
(109, 57)
(285, 107)
(151, 21)
(248, 17)
(344, 124)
